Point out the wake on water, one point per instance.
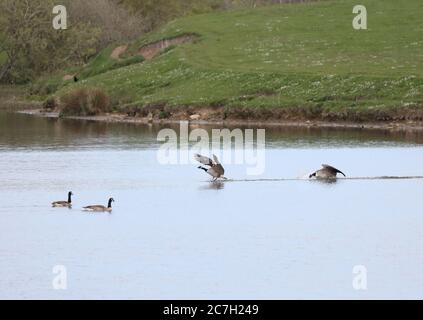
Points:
(308, 179)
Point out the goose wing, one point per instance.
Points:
(60, 203)
(203, 160)
(216, 171)
(216, 159)
(332, 169)
(96, 207)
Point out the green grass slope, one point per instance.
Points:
(104, 63)
(289, 56)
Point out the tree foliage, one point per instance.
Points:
(157, 12)
(32, 46)
(116, 23)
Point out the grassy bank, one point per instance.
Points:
(302, 61)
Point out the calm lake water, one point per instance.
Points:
(175, 235)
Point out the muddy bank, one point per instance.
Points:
(153, 49)
(118, 51)
(276, 114)
(196, 119)
(294, 116)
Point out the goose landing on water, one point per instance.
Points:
(216, 170)
(327, 172)
(99, 208)
(64, 204)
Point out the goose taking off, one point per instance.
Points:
(216, 170)
(327, 172)
(64, 204)
(99, 208)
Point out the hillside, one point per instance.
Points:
(286, 61)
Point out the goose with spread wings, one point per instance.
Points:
(327, 172)
(215, 169)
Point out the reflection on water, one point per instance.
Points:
(325, 181)
(24, 131)
(174, 234)
(213, 185)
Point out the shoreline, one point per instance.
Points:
(12, 99)
(123, 118)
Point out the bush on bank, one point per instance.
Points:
(85, 102)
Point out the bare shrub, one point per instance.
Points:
(85, 102)
(50, 104)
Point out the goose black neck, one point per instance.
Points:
(339, 171)
(70, 197)
(110, 203)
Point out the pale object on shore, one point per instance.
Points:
(150, 117)
(68, 77)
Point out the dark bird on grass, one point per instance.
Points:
(215, 169)
(75, 79)
(100, 208)
(327, 172)
(64, 204)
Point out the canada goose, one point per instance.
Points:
(99, 208)
(64, 204)
(216, 170)
(327, 172)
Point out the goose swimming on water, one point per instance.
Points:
(215, 169)
(99, 208)
(64, 204)
(327, 172)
